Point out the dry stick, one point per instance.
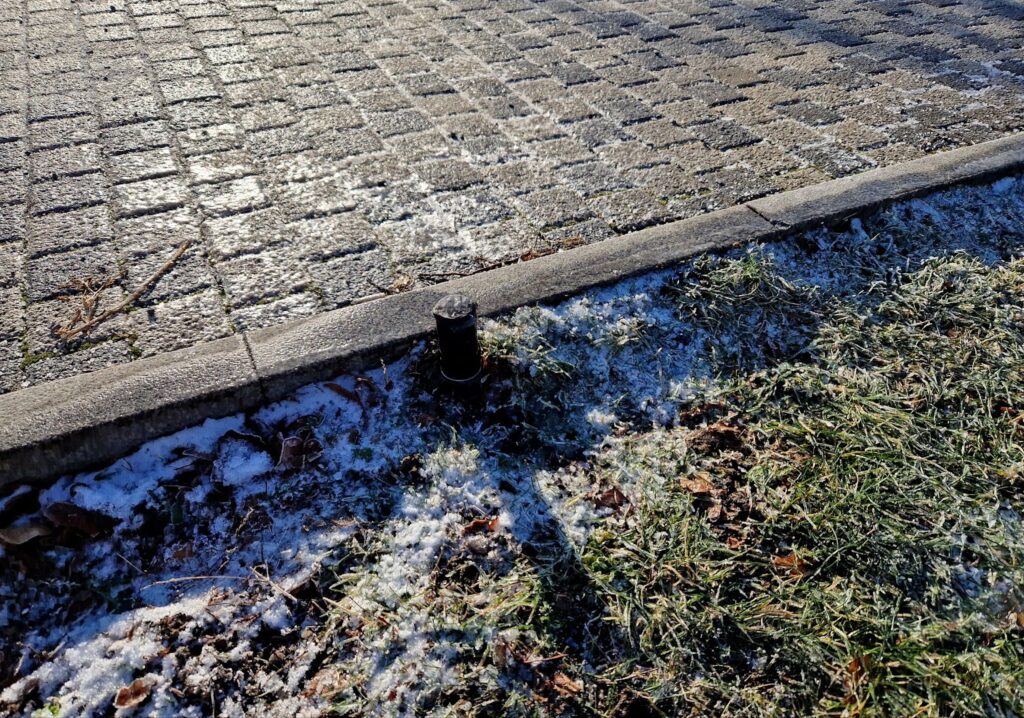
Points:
(183, 579)
(134, 297)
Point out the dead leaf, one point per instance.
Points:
(478, 600)
(86, 521)
(611, 499)
(480, 524)
(21, 501)
(796, 566)
(536, 253)
(134, 694)
(859, 667)
(694, 414)
(502, 654)
(856, 673)
(291, 451)
(714, 511)
(347, 393)
(326, 684)
(17, 535)
(734, 543)
(700, 486)
(564, 685)
(720, 436)
(371, 388)
(296, 452)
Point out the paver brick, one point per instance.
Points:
(12, 155)
(41, 317)
(61, 231)
(63, 365)
(231, 196)
(12, 222)
(269, 274)
(190, 274)
(53, 274)
(630, 210)
(282, 308)
(12, 314)
(553, 207)
(148, 196)
(178, 323)
(12, 262)
(136, 137)
(315, 153)
(63, 161)
(67, 193)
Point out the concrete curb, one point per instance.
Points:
(94, 418)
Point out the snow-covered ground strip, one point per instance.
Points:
(208, 595)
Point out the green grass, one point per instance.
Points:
(829, 527)
(844, 540)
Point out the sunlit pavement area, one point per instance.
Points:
(279, 159)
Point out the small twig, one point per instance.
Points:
(182, 579)
(120, 556)
(430, 276)
(69, 332)
(535, 661)
(278, 587)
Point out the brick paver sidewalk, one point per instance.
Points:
(319, 152)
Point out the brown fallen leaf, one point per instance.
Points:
(371, 391)
(20, 501)
(342, 391)
(536, 253)
(611, 499)
(134, 694)
(296, 452)
(480, 524)
(86, 521)
(700, 486)
(291, 448)
(478, 600)
(503, 653)
(17, 535)
(478, 545)
(856, 672)
(796, 566)
(859, 667)
(720, 436)
(715, 510)
(564, 685)
(326, 684)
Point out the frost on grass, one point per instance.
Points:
(782, 479)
